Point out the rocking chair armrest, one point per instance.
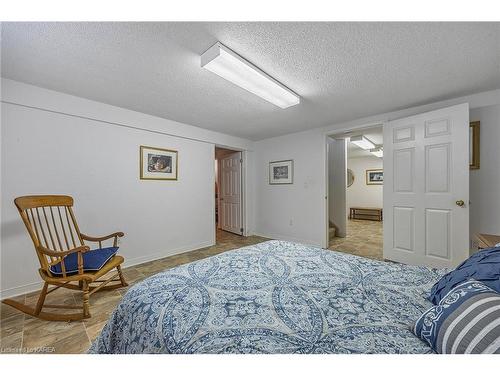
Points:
(103, 238)
(62, 254)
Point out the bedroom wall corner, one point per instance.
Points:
(485, 181)
(294, 212)
(53, 143)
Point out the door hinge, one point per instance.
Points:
(241, 160)
(241, 230)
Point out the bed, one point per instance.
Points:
(273, 297)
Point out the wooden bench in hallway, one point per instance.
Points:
(366, 213)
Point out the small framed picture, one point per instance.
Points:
(157, 163)
(374, 176)
(281, 172)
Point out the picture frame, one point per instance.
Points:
(281, 172)
(350, 177)
(474, 145)
(158, 163)
(374, 176)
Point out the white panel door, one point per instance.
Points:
(426, 188)
(230, 193)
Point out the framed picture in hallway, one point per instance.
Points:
(157, 163)
(374, 176)
(281, 172)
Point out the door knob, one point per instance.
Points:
(460, 203)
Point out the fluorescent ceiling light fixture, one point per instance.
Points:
(378, 152)
(362, 141)
(227, 64)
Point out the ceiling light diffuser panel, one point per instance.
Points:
(378, 152)
(362, 142)
(227, 64)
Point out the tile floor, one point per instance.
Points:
(364, 238)
(21, 333)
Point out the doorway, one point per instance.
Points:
(426, 194)
(355, 191)
(229, 207)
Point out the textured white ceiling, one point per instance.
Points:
(342, 70)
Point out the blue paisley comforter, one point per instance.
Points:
(273, 297)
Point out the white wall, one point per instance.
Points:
(293, 212)
(337, 196)
(485, 182)
(304, 202)
(359, 194)
(60, 144)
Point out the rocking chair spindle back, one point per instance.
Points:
(53, 228)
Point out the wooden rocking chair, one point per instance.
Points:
(63, 255)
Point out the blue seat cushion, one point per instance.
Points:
(93, 260)
(482, 266)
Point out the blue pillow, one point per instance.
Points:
(93, 260)
(467, 320)
(483, 266)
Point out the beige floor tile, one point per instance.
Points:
(11, 344)
(364, 238)
(94, 330)
(7, 311)
(58, 297)
(38, 333)
(101, 312)
(13, 324)
(75, 343)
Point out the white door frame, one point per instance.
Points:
(337, 172)
(340, 132)
(231, 199)
(244, 196)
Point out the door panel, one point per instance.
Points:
(404, 170)
(437, 168)
(426, 170)
(230, 194)
(404, 238)
(437, 233)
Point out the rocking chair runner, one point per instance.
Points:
(53, 229)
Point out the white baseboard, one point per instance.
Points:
(160, 255)
(32, 287)
(20, 290)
